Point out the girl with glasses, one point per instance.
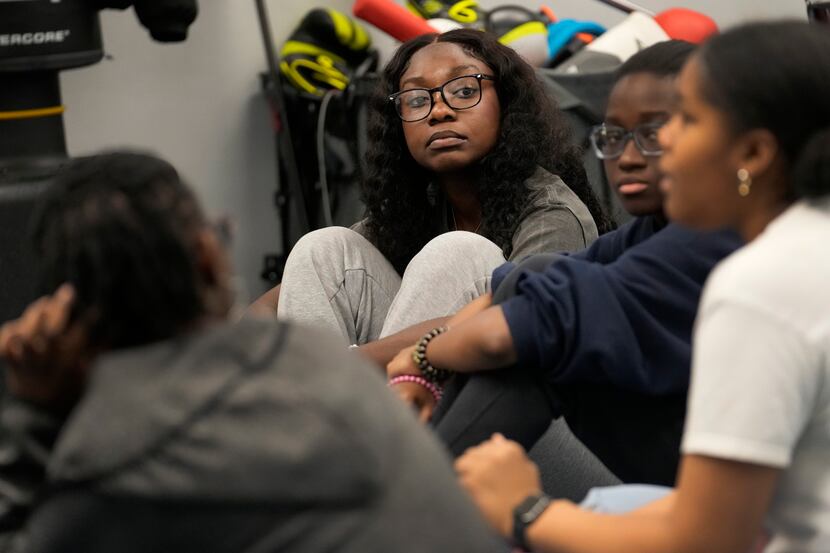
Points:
(601, 337)
(462, 137)
(749, 149)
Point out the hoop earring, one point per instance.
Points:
(745, 182)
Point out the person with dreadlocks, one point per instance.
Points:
(469, 163)
(140, 419)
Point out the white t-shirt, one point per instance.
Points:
(760, 388)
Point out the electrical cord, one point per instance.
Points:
(321, 156)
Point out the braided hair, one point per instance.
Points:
(120, 228)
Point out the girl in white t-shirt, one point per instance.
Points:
(750, 149)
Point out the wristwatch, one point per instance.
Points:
(526, 514)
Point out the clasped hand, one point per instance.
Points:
(46, 353)
(412, 393)
(498, 475)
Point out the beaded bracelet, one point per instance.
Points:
(419, 357)
(436, 391)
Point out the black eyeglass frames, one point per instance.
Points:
(609, 141)
(414, 104)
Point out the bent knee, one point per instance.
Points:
(459, 243)
(325, 240)
(450, 250)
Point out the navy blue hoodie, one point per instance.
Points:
(611, 328)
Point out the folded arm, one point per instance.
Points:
(718, 507)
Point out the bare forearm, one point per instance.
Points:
(482, 342)
(382, 351)
(565, 528)
(266, 304)
(700, 516)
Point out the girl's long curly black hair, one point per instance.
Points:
(533, 132)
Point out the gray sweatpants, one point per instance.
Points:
(336, 279)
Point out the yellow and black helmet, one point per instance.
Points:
(323, 50)
(465, 12)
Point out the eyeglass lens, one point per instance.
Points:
(610, 140)
(460, 93)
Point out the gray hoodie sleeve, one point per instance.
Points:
(27, 436)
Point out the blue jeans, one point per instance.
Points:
(624, 498)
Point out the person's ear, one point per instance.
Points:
(215, 273)
(756, 151)
(210, 257)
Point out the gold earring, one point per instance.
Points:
(745, 182)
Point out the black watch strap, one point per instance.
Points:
(526, 514)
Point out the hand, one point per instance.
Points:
(418, 397)
(413, 394)
(45, 354)
(402, 364)
(498, 475)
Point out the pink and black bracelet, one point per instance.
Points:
(434, 389)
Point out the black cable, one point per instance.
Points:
(287, 145)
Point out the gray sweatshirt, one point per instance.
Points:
(254, 437)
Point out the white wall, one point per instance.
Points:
(199, 104)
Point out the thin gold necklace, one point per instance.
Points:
(455, 225)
